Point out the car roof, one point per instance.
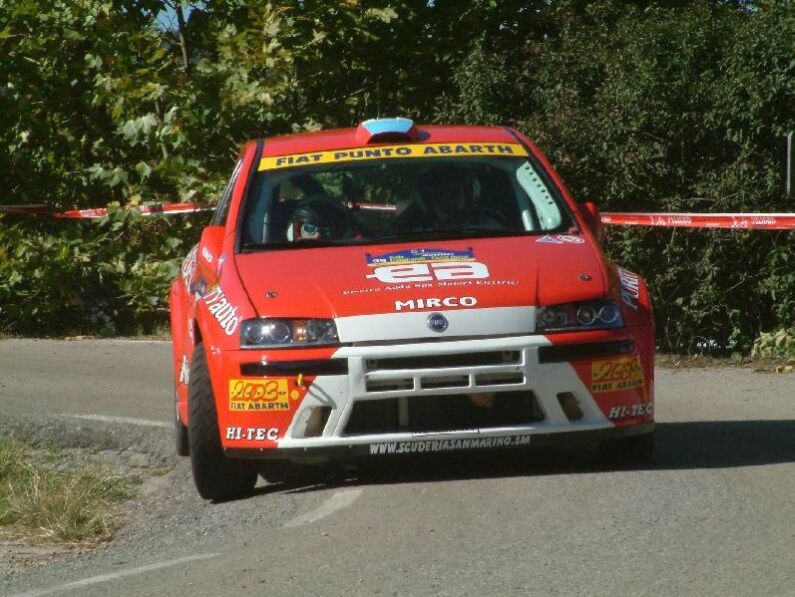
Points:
(347, 138)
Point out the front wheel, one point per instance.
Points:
(216, 476)
(180, 434)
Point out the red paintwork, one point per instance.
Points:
(313, 283)
(320, 282)
(346, 138)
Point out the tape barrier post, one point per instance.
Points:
(789, 166)
(731, 221)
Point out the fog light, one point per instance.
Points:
(570, 405)
(312, 421)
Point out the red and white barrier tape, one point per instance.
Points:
(735, 221)
(146, 210)
(101, 212)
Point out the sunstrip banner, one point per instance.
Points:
(380, 152)
(732, 221)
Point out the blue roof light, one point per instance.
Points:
(387, 129)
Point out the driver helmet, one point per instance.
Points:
(446, 190)
(307, 223)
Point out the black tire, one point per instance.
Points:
(216, 476)
(636, 449)
(180, 434)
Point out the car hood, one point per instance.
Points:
(423, 276)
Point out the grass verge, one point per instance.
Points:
(53, 496)
(761, 364)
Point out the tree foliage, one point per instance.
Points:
(659, 108)
(642, 105)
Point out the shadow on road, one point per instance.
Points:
(691, 445)
(724, 444)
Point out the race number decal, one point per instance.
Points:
(427, 272)
(616, 374)
(272, 393)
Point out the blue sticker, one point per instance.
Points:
(420, 256)
(551, 240)
(561, 239)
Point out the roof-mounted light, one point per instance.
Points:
(379, 130)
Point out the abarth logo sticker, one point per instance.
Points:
(616, 375)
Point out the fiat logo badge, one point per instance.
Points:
(437, 322)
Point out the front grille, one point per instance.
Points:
(446, 361)
(314, 367)
(456, 412)
(573, 352)
(443, 371)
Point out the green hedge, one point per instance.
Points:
(642, 106)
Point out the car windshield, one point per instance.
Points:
(297, 202)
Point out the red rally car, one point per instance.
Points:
(396, 289)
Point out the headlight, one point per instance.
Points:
(279, 333)
(592, 315)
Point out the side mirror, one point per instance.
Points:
(210, 246)
(593, 220)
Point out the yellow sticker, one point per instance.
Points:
(420, 150)
(259, 394)
(616, 374)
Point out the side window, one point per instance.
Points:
(222, 209)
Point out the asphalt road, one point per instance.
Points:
(714, 516)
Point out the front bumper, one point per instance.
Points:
(421, 397)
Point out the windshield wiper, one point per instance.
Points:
(301, 243)
(449, 234)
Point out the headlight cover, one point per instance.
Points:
(282, 333)
(591, 315)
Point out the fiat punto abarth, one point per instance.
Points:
(401, 289)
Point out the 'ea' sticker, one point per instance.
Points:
(427, 272)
